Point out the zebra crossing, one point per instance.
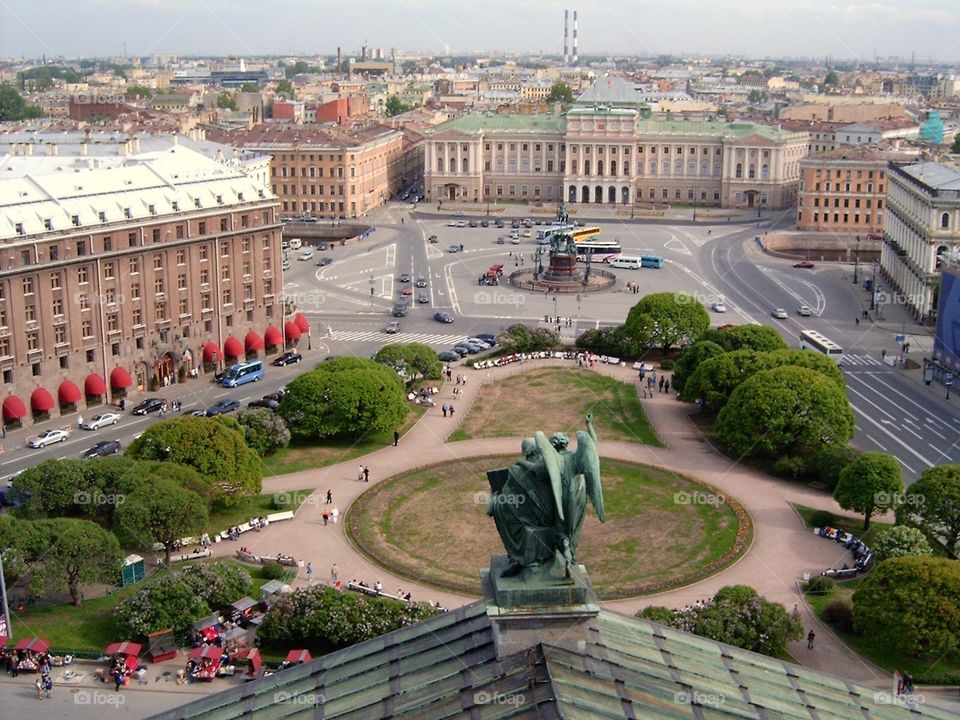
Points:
(378, 336)
(856, 359)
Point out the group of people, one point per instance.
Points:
(17, 661)
(583, 359)
(447, 409)
(652, 381)
(173, 405)
(331, 514)
(862, 555)
(364, 474)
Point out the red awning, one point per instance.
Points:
(206, 651)
(120, 378)
(302, 322)
(291, 331)
(123, 648)
(94, 385)
(299, 656)
(210, 352)
(273, 337)
(68, 393)
(35, 644)
(41, 400)
(253, 342)
(232, 347)
(252, 656)
(13, 408)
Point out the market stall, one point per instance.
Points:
(251, 656)
(31, 653)
(296, 657)
(243, 610)
(204, 662)
(125, 654)
(207, 630)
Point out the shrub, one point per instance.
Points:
(822, 518)
(273, 571)
(830, 460)
(791, 466)
(820, 585)
(165, 603)
(667, 364)
(839, 614)
(901, 541)
(217, 584)
(264, 430)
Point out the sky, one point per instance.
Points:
(751, 28)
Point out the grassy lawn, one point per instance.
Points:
(302, 455)
(256, 506)
(431, 526)
(850, 525)
(556, 400)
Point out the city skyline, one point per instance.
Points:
(928, 30)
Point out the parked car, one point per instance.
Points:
(472, 349)
(197, 412)
(498, 222)
(268, 404)
(461, 350)
(404, 278)
(322, 246)
(806, 265)
(461, 223)
(221, 407)
(324, 261)
(423, 298)
(448, 356)
(101, 420)
(276, 395)
(488, 338)
(515, 241)
(421, 282)
(443, 317)
(392, 327)
(719, 307)
(804, 311)
(285, 264)
(478, 341)
(305, 255)
(515, 224)
(102, 449)
(452, 223)
(291, 356)
(148, 406)
(779, 313)
(47, 437)
(473, 223)
(433, 240)
(453, 249)
(484, 223)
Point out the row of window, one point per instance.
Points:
(868, 202)
(846, 187)
(314, 171)
(317, 189)
(858, 219)
(313, 206)
(847, 174)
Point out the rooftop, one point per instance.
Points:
(488, 122)
(287, 135)
(932, 174)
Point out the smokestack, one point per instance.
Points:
(339, 61)
(575, 57)
(363, 52)
(566, 36)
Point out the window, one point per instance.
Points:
(132, 239)
(109, 270)
(55, 281)
(107, 244)
(81, 247)
(158, 286)
(945, 221)
(56, 306)
(204, 252)
(113, 323)
(739, 171)
(86, 329)
(158, 261)
(227, 297)
(182, 282)
(137, 316)
(205, 276)
(33, 342)
(184, 306)
(82, 275)
(135, 291)
(54, 255)
(30, 313)
(179, 232)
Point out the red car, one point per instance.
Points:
(806, 265)
(407, 291)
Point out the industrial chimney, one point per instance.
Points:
(575, 57)
(339, 61)
(566, 36)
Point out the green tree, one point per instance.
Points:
(285, 88)
(347, 397)
(519, 338)
(250, 87)
(160, 512)
(869, 484)
(608, 341)
(412, 361)
(182, 476)
(912, 605)
(14, 107)
(932, 504)
(395, 106)
(900, 541)
(690, 358)
(77, 553)
(225, 101)
(49, 489)
(215, 451)
(264, 430)
(830, 460)
(755, 97)
(666, 320)
(955, 148)
(561, 92)
(831, 79)
(658, 614)
(783, 411)
(218, 583)
(164, 603)
(761, 338)
(139, 91)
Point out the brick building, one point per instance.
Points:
(843, 191)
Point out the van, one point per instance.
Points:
(623, 261)
(296, 243)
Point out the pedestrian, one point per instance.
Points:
(451, 411)
(329, 498)
(445, 408)
(666, 385)
(662, 380)
(907, 681)
(334, 574)
(360, 474)
(366, 473)
(458, 379)
(309, 572)
(3, 431)
(123, 404)
(396, 438)
(47, 685)
(326, 516)
(334, 514)
(378, 586)
(866, 315)
(464, 380)
(883, 354)
(795, 613)
(118, 680)
(857, 320)
(810, 637)
(39, 685)
(79, 421)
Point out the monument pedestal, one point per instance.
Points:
(542, 607)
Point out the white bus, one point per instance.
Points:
(623, 261)
(812, 340)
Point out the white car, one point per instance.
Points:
(101, 420)
(779, 313)
(515, 241)
(461, 223)
(478, 341)
(305, 255)
(804, 311)
(47, 437)
(719, 307)
(285, 265)
(452, 223)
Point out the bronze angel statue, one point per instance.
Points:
(539, 504)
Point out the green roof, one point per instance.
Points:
(483, 122)
(712, 129)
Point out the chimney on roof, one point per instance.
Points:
(339, 61)
(84, 148)
(51, 149)
(123, 148)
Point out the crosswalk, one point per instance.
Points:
(378, 336)
(855, 359)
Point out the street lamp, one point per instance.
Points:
(856, 261)
(873, 287)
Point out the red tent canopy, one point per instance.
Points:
(292, 331)
(210, 352)
(68, 393)
(120, 378)
(94, 385)
(41, 400)
(13, 408)
(206, 651)
(273, 336)
(123, 648)
(252, 656)
(232, 347)
(299, 656)
(253, 342)
(34, 644)
(302, 322)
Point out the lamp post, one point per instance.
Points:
(856, 261)
(873, 287)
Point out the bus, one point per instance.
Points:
(812, 340)
(243, 373)
(598, 250)
(547, 232)
(583, 234)
(651, 261)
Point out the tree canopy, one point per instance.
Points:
(14, 107)
(932, 504)
(666, 320)
(955, 147)
(395, 106)
(412, 361)
(519, 338)
(871, 482)
(690, 358)
(160, 512)
(900, 541)
(561, 92)
(285, 88)
(783, 410)
(761, 338)
(225, 101)
(911, 604)
(264, 430)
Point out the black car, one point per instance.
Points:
(498, 222)
(148, 406)
(324, 261)
(443, 317)
(488, 338)
(423, 298)
(275, 396)
(433, 239)
(448, 356)
(221, 407)
(484, 223)
(291, 356)
(102, 449)
(461, 350)
(322, 246)
(400, 309)
(265, 403)
(421, 282)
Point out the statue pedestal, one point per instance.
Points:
(544, 607)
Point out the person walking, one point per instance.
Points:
(334, 574)
(326, 516)
(396, 437)
(810, 637)
(451, 411)
(360, 474)
(666, 385)
(80, 421)
(334, 514)
(47, 686)
(309, 572)
(444, 409)
(366, 474)
(329, 498)
(661, 383)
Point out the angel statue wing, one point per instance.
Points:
(587, 460)
(554, 467)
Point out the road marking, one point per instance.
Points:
(894, 438)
